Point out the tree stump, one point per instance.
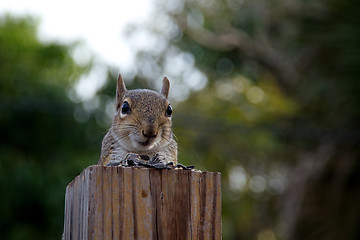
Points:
(141, 203)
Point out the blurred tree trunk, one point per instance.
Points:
(322, 201)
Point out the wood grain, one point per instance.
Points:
(141, 203)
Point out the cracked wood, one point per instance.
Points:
(140, 203)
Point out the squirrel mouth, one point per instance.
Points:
(146, 143)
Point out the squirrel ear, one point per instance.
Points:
(120, 91)
(165, 87)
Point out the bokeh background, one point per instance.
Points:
(265, 92)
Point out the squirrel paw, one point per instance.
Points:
(131, 159)
(160, 162)
(157, 161)
(158, 158)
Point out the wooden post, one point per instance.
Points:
(141, 203)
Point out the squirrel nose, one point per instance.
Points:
(149, 132)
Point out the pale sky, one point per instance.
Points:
(99, 25)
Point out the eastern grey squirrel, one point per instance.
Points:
(141, 127)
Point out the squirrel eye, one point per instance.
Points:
(125, 108)
(168, 111)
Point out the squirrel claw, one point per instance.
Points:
(157, 158)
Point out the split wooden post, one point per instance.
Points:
(140, 203)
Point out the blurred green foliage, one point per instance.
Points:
(265, 92)
(42, 147)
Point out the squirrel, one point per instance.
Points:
(142, 126)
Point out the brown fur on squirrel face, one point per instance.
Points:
(142, 125)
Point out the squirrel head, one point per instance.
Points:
(143, 117)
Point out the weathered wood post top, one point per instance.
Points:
(142, 203)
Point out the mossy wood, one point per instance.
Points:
(139, 203)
